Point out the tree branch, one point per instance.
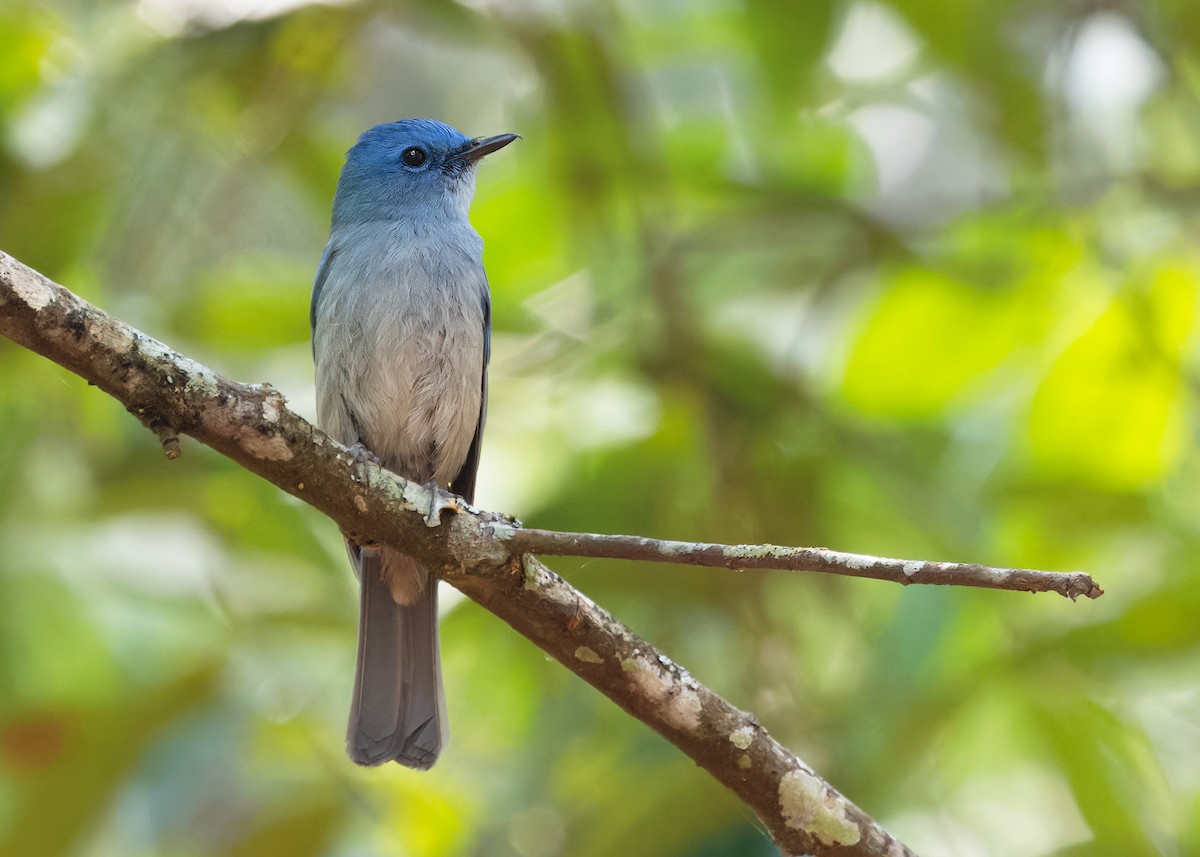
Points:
(482, 554)
(1070, 584)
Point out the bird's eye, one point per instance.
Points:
(413, 157)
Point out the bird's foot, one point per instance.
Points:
(441, 499)
(363, 459)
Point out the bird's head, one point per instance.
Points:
(413, 168)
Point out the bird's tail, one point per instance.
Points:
(398, 710)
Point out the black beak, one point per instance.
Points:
(481, 146)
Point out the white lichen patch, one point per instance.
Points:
(201, 383)
(742, 738)
(913, 567)
(673, 548)
(858, 561)
(555, 589)
(396, 490)
(36, 293)
(807, 804)
(161, 353)
(685, 708)
(271, 410)
(588, 656)
(564, 595)
(651, 681)
(756, 551)
(413, 496)
(647, 678)
(503, 532)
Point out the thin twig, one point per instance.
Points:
(1070, 584)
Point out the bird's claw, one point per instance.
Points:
(441, 499)
(363, 459)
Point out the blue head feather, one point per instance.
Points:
(411, 169)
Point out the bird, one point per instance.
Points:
(401, 338)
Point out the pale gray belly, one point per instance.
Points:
(400, 369)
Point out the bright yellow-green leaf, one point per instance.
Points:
(1110, 410)
(929, 343)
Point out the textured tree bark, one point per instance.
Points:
(485, 555)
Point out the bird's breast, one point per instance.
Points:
(399, 343)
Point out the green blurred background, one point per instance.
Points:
(914, 277)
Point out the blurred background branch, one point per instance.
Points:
(918, 277)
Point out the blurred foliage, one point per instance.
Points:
(908, 277)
